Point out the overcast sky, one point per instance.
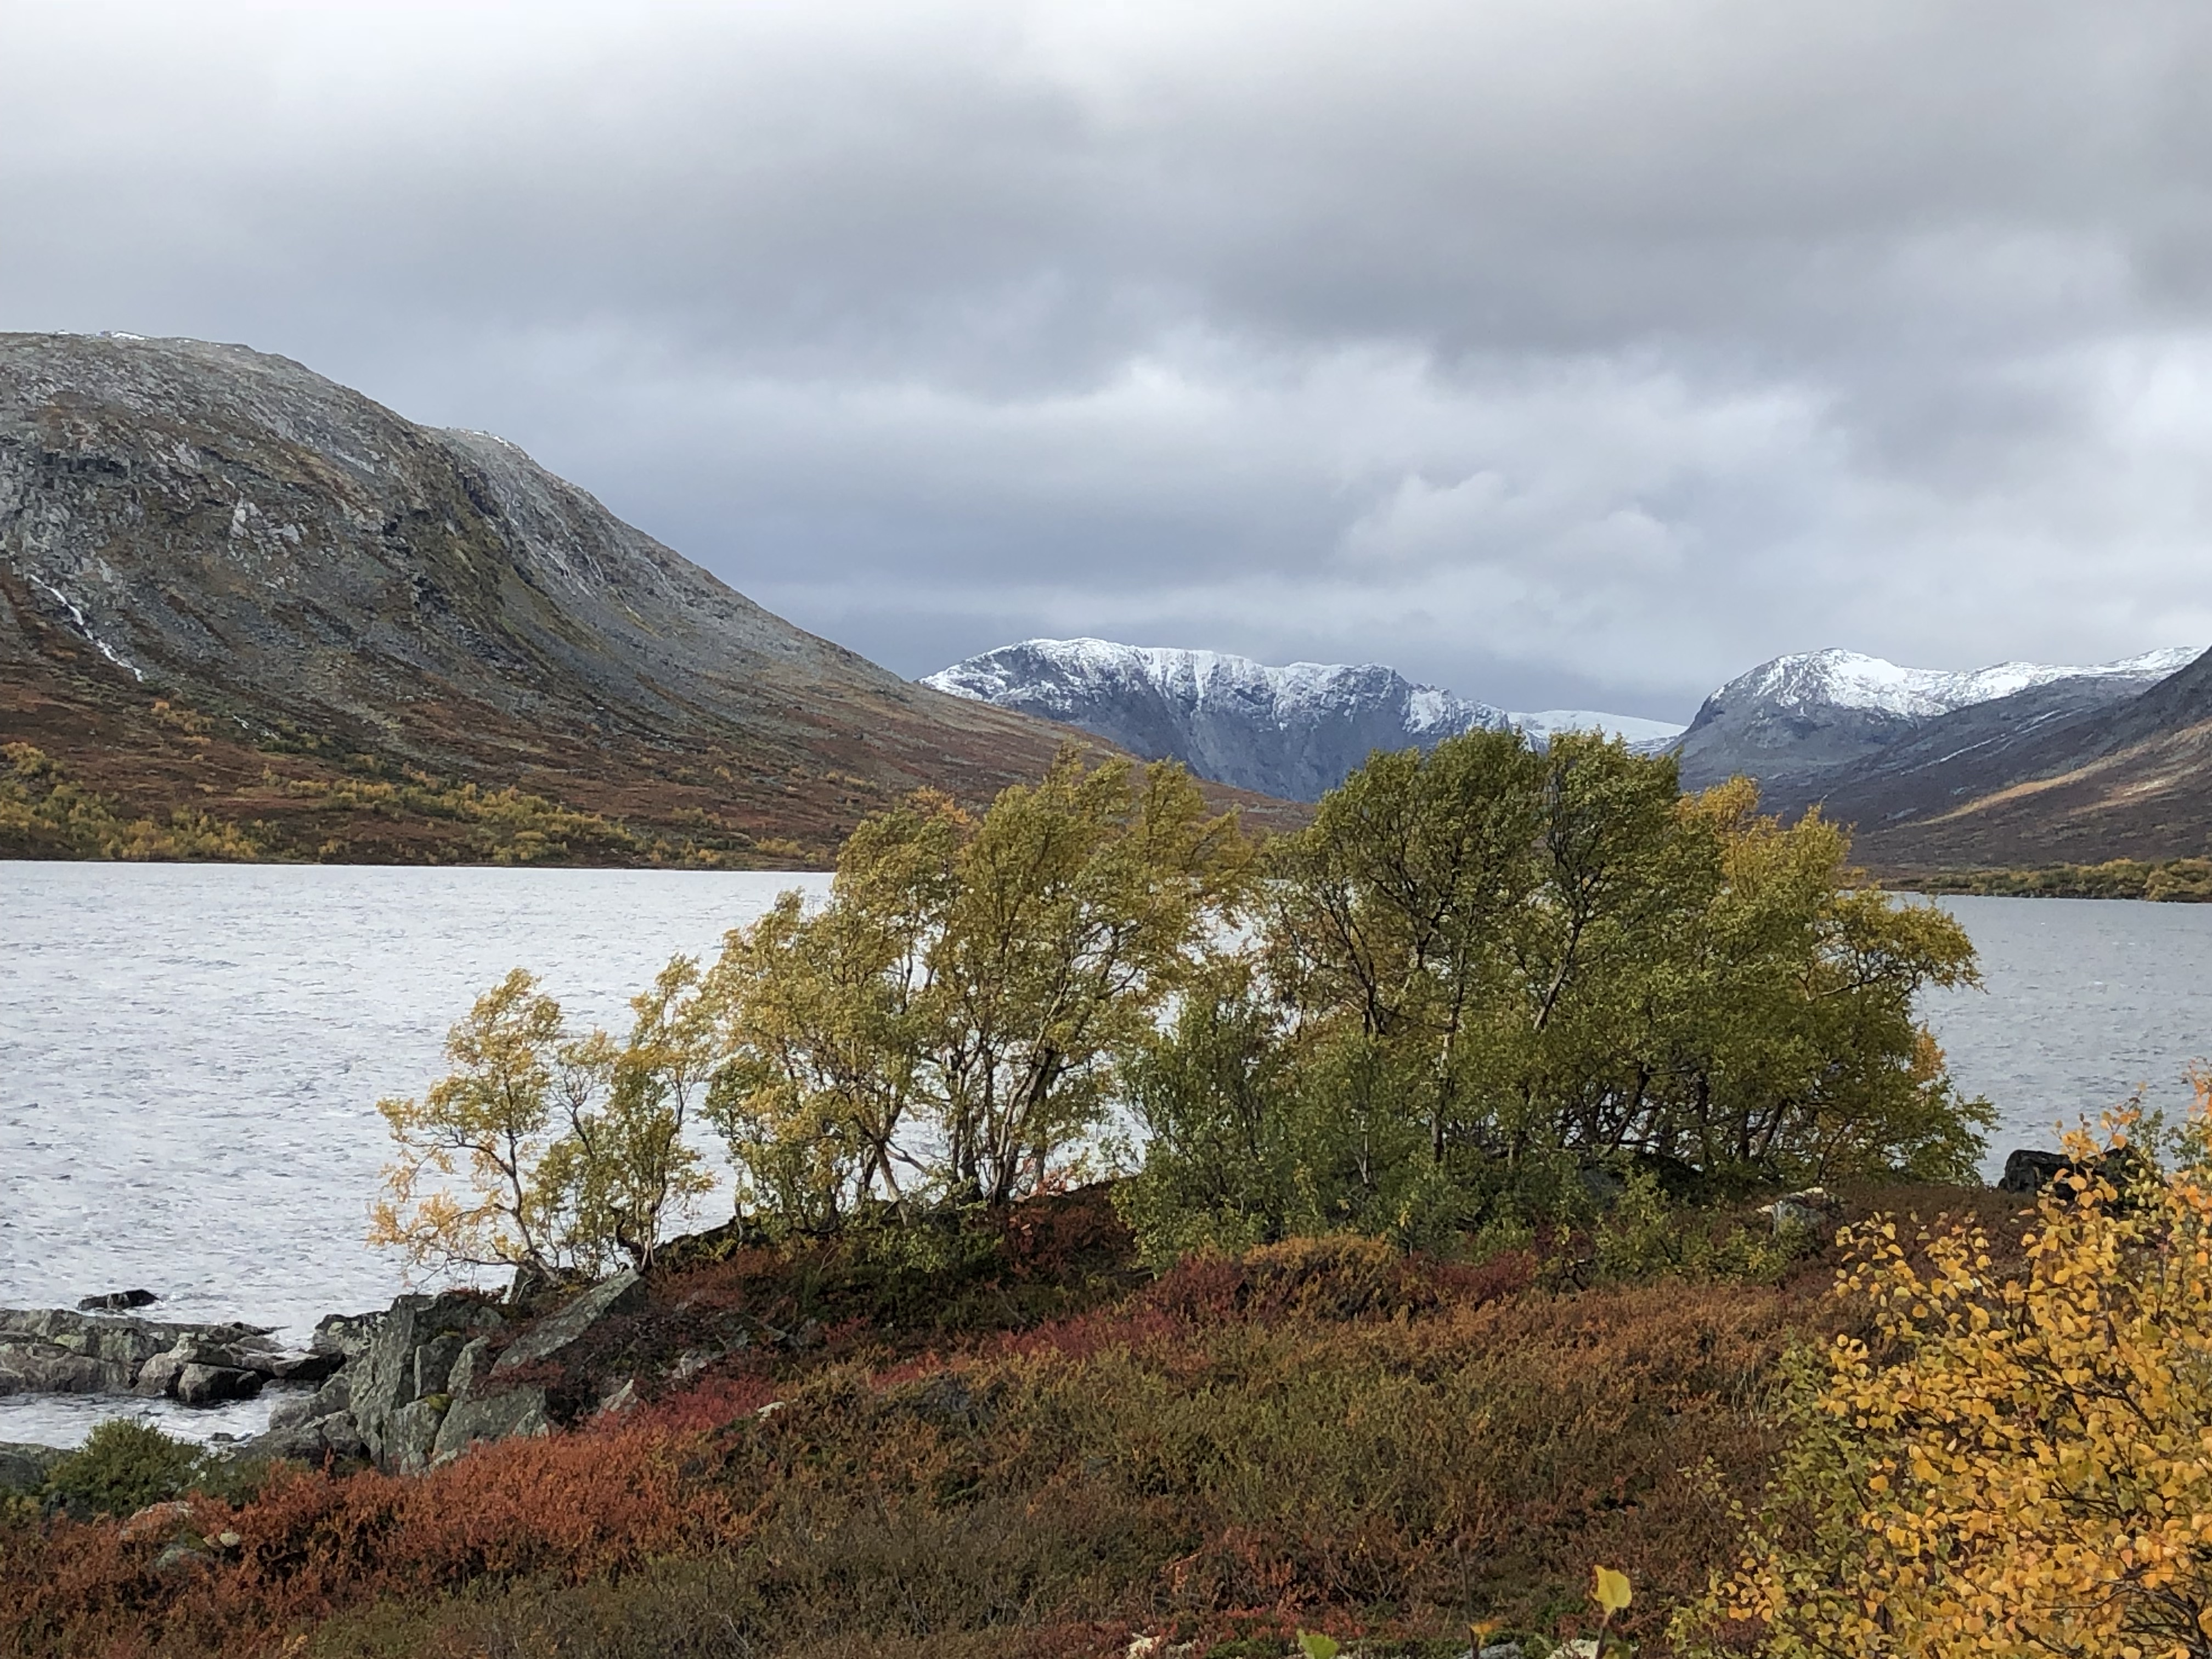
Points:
(1558, 352)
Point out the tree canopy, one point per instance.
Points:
(1479, 984)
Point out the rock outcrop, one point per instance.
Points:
(431, 1376)
(403, 1388)
(55, 1350)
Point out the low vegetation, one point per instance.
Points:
(2004, 1463)
(42, 814)
(45, 813)
(2185, 880)
(1427, 1298)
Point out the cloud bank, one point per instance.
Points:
(1559, 351)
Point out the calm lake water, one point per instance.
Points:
(190, 1055)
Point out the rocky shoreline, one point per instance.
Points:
(401, 1389)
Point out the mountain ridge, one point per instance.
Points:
(1293, 731)
(1797, 720)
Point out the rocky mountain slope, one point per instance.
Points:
(229, 583)
(1293, 732)
(1798, 721)
(2029, 780)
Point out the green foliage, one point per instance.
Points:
(122, 1467)
(1647, 1236)
(1478, 980)
(1479, 972)
(45, 814)
(974, 981)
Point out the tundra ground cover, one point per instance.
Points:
(1320, 1435)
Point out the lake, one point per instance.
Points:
(190, 1055)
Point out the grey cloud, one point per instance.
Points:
(1558, 350)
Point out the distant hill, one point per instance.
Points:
(1292, 731)
(1798, 721)
(229, 584)
(2026, 781)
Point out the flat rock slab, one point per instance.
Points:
(621, 1293)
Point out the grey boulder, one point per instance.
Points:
(210, 1385)
(519, 1412)
(619, 1293)
(23, 1469)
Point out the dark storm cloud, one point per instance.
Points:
(1558, 350)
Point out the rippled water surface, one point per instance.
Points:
(2085, 1001)
(190, 1055)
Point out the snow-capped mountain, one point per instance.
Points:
(1293, 732)
(1797, 717)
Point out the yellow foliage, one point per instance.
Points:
(2017, 1466)
(45, 810)
(545, 1148)
(1611, 1591)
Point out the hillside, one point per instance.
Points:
(1799, 722)
(1293, 732)
(2129, 780)
(230, 584)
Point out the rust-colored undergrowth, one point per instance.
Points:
(1321, 1435)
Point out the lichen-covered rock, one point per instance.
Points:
(347, 1334)
(491, 1417)
(55, 1351)
(619, 1293)
(28, 1365)
(210, 1385)
(409, 1433)
(416, 1342)
(24, 1469)
(313, 1441)
(434, 1362)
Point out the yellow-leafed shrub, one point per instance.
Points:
(2006, 1466)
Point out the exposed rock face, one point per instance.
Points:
(290, 559)
(415, 1384)
(421, 1381)
(397, 1382)
(622, 1293)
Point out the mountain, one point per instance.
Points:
(1795, 722)
(1293, 732)
(229, 583)
(2024, 781)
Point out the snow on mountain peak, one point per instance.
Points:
(1066, 673)
(1849, 679)
(1293, 731)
